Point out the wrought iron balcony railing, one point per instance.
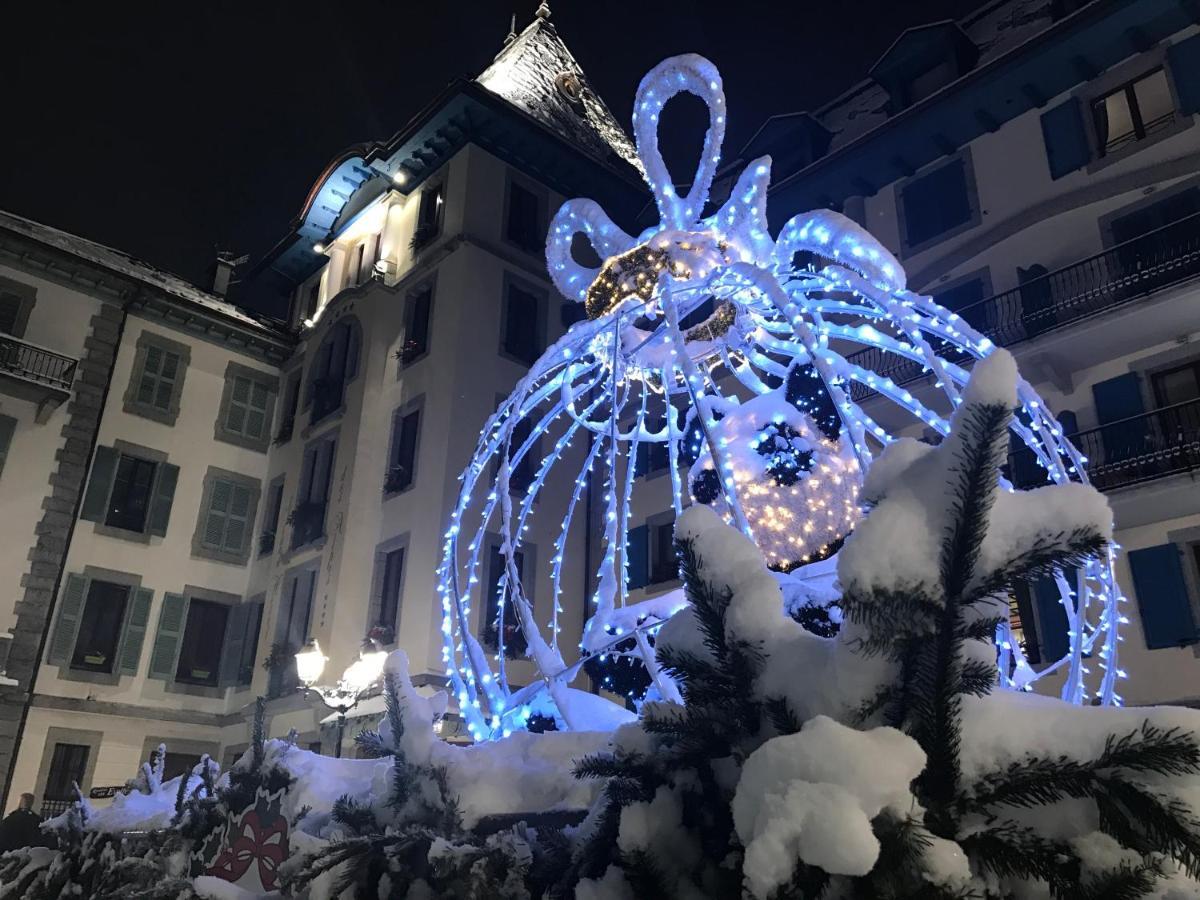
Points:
(36, 364)
(1130, 451)
(1124, 273)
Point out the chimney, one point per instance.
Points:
(226, 264)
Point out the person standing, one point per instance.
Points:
(22, 827)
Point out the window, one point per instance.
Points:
(522, 331)
(130, 498)
(522, 473)
(308, 517)
(429, 215)
(100, 627)
(8, 427)
(313, 300)
(226, 516)
(966, 299)
(157, 383)
(247, 406)
(68, 765)
(524, 226)
(291, 401)
(16, 304)
(1177, 385)
(270, 526)
(291, 629)
(1133, 111)
(935, 205)
(354, 272)
(664, 564)
(402, 460)
(514, 638)
(415, 343)
(653, 456)
(203, 639)
(391, 582)
(335, 363)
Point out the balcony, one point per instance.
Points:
(33, 373)
(308, 523)
(1131, 451)
(1125, 273)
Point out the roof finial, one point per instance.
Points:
(543, 11)
(512, 31)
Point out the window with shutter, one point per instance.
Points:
(132, 486)
(10, 312)
(1065, 137)
(389, 600)
(70, 605)
(500, 612)
(937, 204)
(523, 226)
(1162, 597)
(246, 408)
(8, 427)
(226, 521)
(637, 557)
(416, 325)
(166, 642)
(1124, 432)
(402, 466)
(1133, 112)
(1183, 59)
(202, 642)
(135, 630)
(157, 384)
(522, 336)
(665, 565)
(100, 626)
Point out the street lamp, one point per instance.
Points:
(359, 677)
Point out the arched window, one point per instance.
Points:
(334, 364)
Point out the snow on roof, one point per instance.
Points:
(124, 264)
(537, 73)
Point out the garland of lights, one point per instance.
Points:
(779, 336)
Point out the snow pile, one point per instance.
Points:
(813, 795)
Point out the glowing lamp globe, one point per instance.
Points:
(310, 663)
(367, 669)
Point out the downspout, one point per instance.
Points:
(28, 702)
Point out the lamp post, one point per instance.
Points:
(359, 677)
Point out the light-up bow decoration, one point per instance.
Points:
(691, 316)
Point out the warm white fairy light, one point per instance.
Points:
(591, 400)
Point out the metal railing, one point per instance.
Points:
(35, 364)
(1121, 274)
(52, 808)
(1130, 451)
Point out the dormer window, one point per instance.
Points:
(922, 61)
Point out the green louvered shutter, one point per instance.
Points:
(1162, 597)
(637, 557)
(1067, 147)
(256, 413)
(235, 639)
(104, 468)
(8, 425)
(70, 608)
(239, 398)
(237, 522)
(135, 631)
(164, 496)
(218, 514)
(1184, 61)
(170, 631)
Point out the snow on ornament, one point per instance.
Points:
(797, 488)
(690, 320)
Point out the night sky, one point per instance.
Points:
(166, 133)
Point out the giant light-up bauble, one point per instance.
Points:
(628, 374)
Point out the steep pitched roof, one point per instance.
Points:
(537, 73)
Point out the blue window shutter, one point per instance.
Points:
(637, 557)
(1067, 147)
(1052, 620)
(70, 608)
(1119, 399)
(641, 463)
(1162, 597)
(1184, 61)
(135, 631)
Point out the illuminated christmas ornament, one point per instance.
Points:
(695, 321)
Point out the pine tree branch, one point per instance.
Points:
(780, 715)
(1009, 850)
(1049, 552)
(981, 629)
(1126, 882)
(976, 678)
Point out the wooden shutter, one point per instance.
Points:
(239, 401)
(1067, 147)
(1184, 61)
(1162, 596)
(8, 425)
(250, 643)
(135, 631)
(217, 515)
(257, 411)
(637, 557)
(104, 469)
(171, 623)
(1117, 399)
(70, 608)
(237, 523)
(1051, 619)
(164, 496)
(235, 639)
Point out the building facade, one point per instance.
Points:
(201, 492)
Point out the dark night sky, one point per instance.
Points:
(164, 132)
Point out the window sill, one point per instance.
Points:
(333, 415)
(124, 534)
(200, 551)
(163, 416)
(194, 690)
(315, 544)
(86, 676)
(259, 445)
